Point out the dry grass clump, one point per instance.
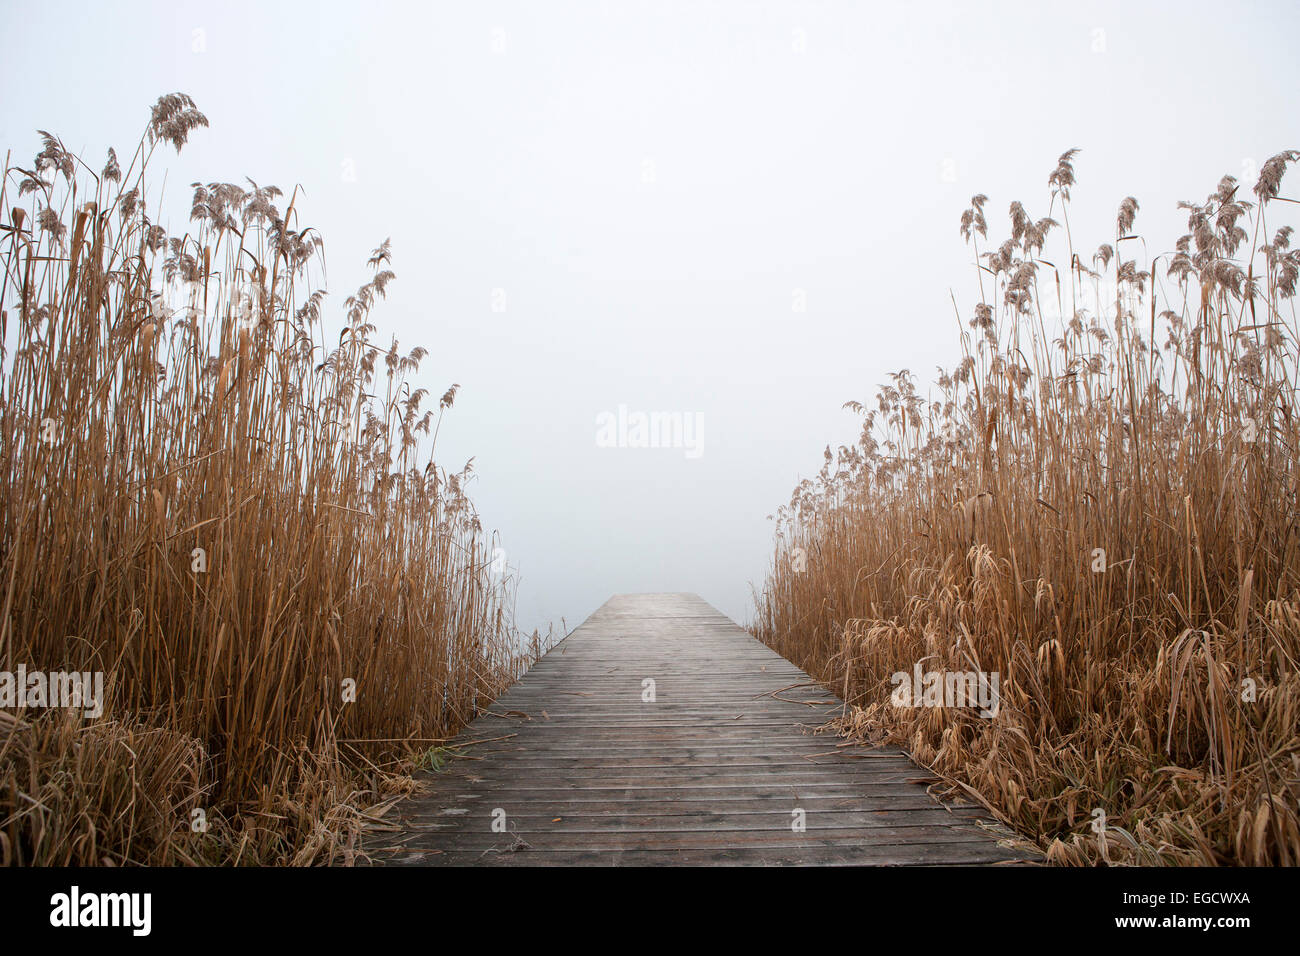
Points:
(1106, 517)
(231, 512)
(75, 794)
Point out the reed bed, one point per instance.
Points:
(1104, 515)
(230, 510)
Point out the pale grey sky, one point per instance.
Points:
(646, 189)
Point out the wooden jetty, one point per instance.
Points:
(661, 733)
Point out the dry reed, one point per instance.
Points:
(1106, 518)
(232, 513)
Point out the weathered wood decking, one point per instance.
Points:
(580, 769)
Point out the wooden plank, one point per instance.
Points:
(925, 854)
(576, 765)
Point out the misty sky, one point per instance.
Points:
(742, 214)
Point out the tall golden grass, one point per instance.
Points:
(1105, 516)
(233, 513)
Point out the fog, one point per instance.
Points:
(735, 215)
